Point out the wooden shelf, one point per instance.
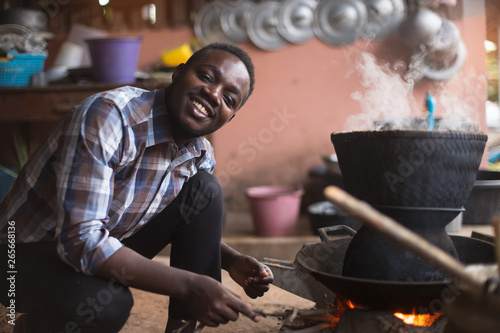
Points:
(51, 103)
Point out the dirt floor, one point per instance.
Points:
(149, 314)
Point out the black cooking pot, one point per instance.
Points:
(410, 168)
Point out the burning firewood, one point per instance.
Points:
(303, 320)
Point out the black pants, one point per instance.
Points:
(58, 299)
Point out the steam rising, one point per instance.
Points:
(387, 101)
(386, 95)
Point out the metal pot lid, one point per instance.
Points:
(207, 24)
(384, 17)
(234, 20)
(339, 22)
(296, 20)
(419, 26)
(448, 72)
(262, 26)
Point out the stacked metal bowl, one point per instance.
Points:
(271, 25)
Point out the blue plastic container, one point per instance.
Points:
(17, 72)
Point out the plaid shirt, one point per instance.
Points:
(105, 171)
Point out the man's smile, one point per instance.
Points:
(202, 110)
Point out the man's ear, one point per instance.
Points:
(177, 71)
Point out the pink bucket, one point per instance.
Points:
(275, 209)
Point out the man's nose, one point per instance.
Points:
(213, 92)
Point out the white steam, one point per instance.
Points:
(460, 102)
(386, 96)
(387, 101)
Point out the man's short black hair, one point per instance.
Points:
(233, 49)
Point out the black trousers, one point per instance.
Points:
(58, 299)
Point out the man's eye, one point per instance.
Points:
(205, 77)
(229, 100)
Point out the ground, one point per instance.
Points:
(150, 311)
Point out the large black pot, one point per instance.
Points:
(410, 168)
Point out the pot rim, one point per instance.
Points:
(412, 134)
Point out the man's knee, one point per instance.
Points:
(98, 313)
(207, 184)
(203, 193)
(106, 311)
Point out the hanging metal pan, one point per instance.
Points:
(262, 26)
(446, 53)
(234, 20)
(384, 18)
(339, 22)
(207, 24)
(296, 19)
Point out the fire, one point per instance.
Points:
(418, 319)
(343, 304)
(351, 304)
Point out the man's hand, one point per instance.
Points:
(212, 304)
(252, 275)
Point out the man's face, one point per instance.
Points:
(206, 95)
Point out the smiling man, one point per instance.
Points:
(125, 174)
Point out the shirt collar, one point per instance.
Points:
(159, 130)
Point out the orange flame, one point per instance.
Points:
(351, 304)
(343, 304)
(418, 319)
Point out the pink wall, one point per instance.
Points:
(302, 95)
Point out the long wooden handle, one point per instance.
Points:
(403, 236)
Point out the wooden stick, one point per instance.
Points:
(403, 236)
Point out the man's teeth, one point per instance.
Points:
(200, 108)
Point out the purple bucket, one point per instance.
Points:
(114, 60)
